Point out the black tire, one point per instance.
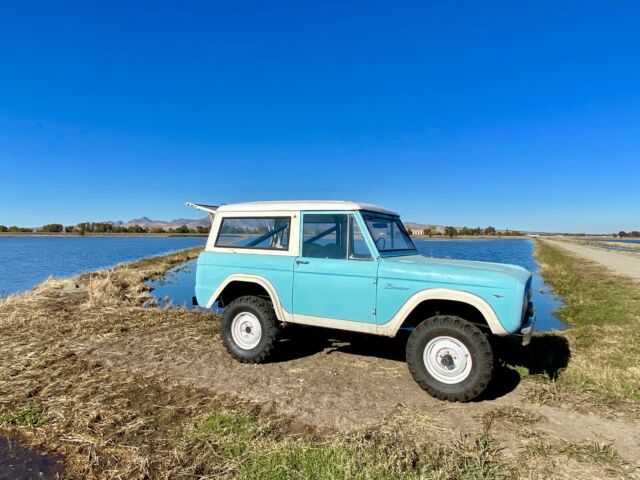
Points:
(262, 310)
(477, 345)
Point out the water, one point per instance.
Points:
(177, 287)
(623, 244)
(615, 248)
(27, 261)
(17, 462)
(621, 240)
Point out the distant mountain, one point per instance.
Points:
(178, 222)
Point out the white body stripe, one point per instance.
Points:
(389, 329)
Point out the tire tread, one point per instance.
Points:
(481, 343)
(271, 328)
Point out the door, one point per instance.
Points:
(335, 275)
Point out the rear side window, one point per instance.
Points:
(270, 233)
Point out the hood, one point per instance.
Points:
(466, 272)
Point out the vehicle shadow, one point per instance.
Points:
(298, 341)
(547, 354)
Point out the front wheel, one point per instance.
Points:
(450, 358)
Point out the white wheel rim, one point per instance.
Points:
(246, 330)
(447, 360)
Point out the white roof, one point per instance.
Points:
(297, 205)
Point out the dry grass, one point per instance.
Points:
(604, 314)
(514, 415)
(584, 452)
(584, 460)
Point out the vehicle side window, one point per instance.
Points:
(358, 248)
(270, 233)
(324, 236)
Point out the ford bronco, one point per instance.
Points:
(353, 266)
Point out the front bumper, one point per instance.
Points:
(527, 327)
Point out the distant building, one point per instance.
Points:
(424, 229)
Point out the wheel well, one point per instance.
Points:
(237, 289)
(431, 308)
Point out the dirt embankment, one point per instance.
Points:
(110, 375)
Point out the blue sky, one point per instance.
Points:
(519, 115)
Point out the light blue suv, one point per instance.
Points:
(352, 266)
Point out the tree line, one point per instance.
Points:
(102, 227)
(454, 232)
(15, 229)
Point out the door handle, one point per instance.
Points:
(302, 262)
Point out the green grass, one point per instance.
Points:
(31, 416)
(251, 447)
(515, 415)
(600, 453)
(584, 452)
(592, 295)
(603, 312)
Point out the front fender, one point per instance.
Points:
(392, 326)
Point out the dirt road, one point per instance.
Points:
(619, 263)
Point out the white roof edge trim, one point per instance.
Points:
(302, 205)
(210, 209)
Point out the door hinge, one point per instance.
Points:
(374, 312)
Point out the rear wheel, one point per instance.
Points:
(450, 358)
(249, 329)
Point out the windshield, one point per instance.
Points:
(388, 233)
